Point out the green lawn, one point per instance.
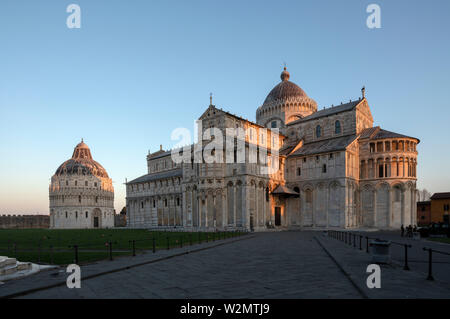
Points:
(56, 246)
(444, 240)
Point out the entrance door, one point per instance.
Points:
(251, 223)
(95, 222)
(277, 216)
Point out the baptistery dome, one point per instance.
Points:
(82, 163)
(285, 103)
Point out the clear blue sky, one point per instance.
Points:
(138, 69)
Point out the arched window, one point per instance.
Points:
(337, 127)
(318, 131)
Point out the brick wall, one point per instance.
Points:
(24, 221)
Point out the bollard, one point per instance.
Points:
(39, 253)
(406, 258)
(110, 251)
(207, 235)
(154, 245)
(168, 243)
(430, 264)
(354, 240)
(75, 247)
(181, 242)
(214, 236)
(51, 254)
(367, 244)
(190, 240)
(134, 247)
(199, 238)
(360, 239)
(15, 250)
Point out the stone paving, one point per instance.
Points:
(262, 265)
(268, 265)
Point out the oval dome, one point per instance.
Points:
(81, 163)
(284, 91)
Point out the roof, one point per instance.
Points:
(327, 112)
(81, 163)
(325, 146)
(388, 134)
(284, 90)
(441, 196)
(156, 176)
(283, 190)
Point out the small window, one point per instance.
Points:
(87, 214)
(142, 204)
(76, 183)
(165, 202)
(178, 201)
(337, 127)
(67, 183)
(154, 203)
(299, 171)
(96, 199)
(331, 156)
(318, 131)
(85, 183)
(76, 214)
(66, 215)
(304, 160)
(324, 168)
(267, 194)
(95, 184)
(79, 198)
(273, 124)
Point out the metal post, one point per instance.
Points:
(360, 240)
(154, 245)
(75, 247)
(134, 248)
(181, 242)
(168, 243)
(207, 235)
(354, 240)
(406, 258)
(39, 253)
(199, 238)
(430, 264)
(190, 239)
(367, 244)
(51, 254)
(110, 251)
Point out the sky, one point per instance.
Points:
(136, 70)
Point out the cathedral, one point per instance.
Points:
(334, 169)
(81, 193)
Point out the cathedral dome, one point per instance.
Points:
(81, 163)
(285, 103)
(285, 90)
